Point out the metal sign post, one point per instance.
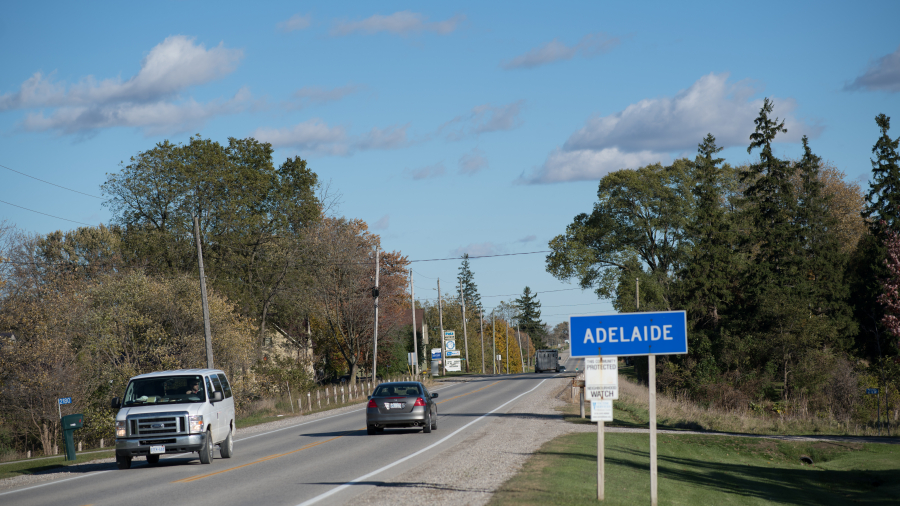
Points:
(601, 386)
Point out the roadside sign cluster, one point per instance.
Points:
(450, 351)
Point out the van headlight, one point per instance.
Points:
(120, 428)
(195, 423)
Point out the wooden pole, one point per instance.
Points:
(493, 344)
(481, 319)
(206, 330)
(519, 340)
(462, 298)
(375, 337)
(441, 321)
(653, 469)
(412, 293)
(601, 448)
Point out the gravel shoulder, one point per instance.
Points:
(480, 463)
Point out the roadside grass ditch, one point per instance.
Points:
(699, 469)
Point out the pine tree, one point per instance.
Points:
(707, 278)
(529, 317)
(822, 273)
(883, 199)
(466, 277)
(772, 210)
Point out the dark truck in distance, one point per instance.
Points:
(546, 360)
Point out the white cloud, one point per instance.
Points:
(384, 138)
(527, 239)
(472, 162)
(883, 75)
(400, 23)
(316, 95)
(296, 22)
(145, 101)
(383, 223)
(427, 172)
(652, 129)
(589, 46)
(478, 249)
(313, 135)
(483, 119)
(153, 118)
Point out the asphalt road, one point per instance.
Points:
(329, 460)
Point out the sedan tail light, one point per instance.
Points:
(372, 403)
(419, 402)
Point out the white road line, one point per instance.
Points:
(404, 459)
(53, 483)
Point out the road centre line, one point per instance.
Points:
(271, 457)
(404, 459)
(264, 459)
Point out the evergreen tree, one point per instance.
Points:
(707, 280)
(866, 268)
(772, 208)
(707, 284)
(529, 317)
(467, 279)
(823, 263)
(883, 199)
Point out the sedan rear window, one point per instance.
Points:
(389, 390)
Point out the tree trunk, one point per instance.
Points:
(354, 368)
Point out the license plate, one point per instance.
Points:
(393, 405)
(157, 449)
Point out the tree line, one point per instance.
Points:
(787, 271)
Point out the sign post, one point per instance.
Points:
(628, 334)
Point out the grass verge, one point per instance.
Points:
(696, 469)
(41, 464)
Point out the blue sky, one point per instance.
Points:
(468, 127)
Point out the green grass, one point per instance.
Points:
(37, 465)
(697, 469)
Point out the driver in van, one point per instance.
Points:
(195, 387)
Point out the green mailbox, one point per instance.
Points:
(69, 424)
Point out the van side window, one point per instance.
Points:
(226, 385)
(215, 380)
(209, 388)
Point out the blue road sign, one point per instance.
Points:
(871, 391)
(629, 334)
(452, 353)
(435, 354)
(65, 400)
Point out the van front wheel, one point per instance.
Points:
(206, 453)
(123, 462)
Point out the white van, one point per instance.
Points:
(188, 410)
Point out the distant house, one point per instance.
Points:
(278, 343)
(7, 338)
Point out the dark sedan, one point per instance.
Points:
(401, 404)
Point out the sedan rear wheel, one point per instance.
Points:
(371, 430)
(434, 422)
(426, 428)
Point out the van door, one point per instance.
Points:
(214, 409)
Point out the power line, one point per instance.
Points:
(482, 256)
(54, 184)
(45, 214)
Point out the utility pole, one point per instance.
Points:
(412, 293)
(375, 337)
(507, 348)
(206, 330)
(462, 297)
(441, 322)
(493, 344)
(519, 339)
(481, 318)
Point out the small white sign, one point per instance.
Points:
(601, 380)
(454, 365)
(450, 344)
(601, 411)
(499, 358)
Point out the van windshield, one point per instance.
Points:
(165, 390)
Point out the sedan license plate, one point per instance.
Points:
(393, 405)
(157, 449)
